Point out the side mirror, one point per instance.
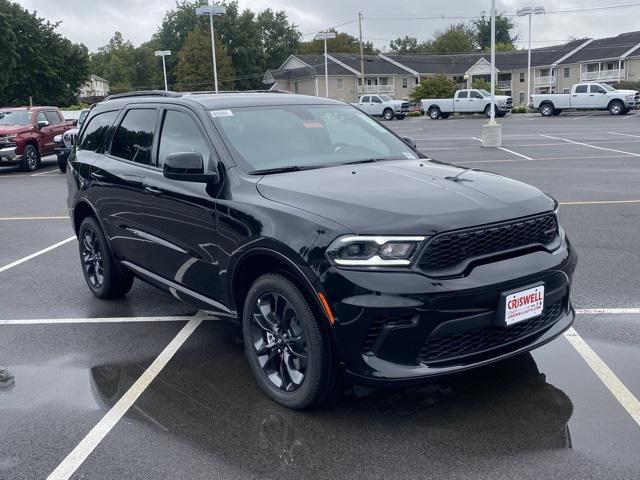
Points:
(75, 122)
(43, 123)
(410, 141)
(188, 167)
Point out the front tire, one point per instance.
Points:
(616, 107)
(388, 114)
(105, 278)
(287, 346)
(30, 159)
(400, 116)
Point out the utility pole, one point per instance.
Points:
(492, 131)
(361, 55)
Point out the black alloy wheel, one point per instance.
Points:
(287, 345)
(105, 278)
(279, 341)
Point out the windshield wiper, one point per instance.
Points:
(287, 168)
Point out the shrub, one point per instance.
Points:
(627, 86)
(414, 114)
(438, 86)
(519, 109)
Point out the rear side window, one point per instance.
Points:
(134, 138)
(581, 89)
(96, 130)
(366, 99)
(52, 117)
(180, 134)
(463, 94)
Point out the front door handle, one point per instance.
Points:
(152, 190)
(97, 176)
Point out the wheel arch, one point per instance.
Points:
(614, 100)
(81, 210)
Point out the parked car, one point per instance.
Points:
(587, 96)
(467, 101)
(342, 252)
(27, 133)
(383, 106)
(64, 143)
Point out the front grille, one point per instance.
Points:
(449, 250)
(442, 349)
(378, 324)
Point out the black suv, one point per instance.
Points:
(342, 251)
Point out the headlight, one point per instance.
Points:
(354, 250)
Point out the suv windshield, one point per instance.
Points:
(285, 136)
(83, 115)
(12, 117)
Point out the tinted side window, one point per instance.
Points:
(596, 89)
(475, 95)
(180, 134)
(366, 99)
(581, 89)
(376, 100)
(53, 117)
(95, 131)
(134, 138)
(463, 94)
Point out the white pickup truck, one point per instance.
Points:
(383, 106)
(466, 101)
(587, 96)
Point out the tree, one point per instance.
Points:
(194, 70)
(458, 38)
(505, 37)
(279, 38)
(343, 43)
(408, 46)
(438, 86)
(116, 61)
(36, 61)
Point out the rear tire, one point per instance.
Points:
(546, 109)
(388, 114)
(616, 107)
(434, 113)
(105, 278)
(30, 159)
(287, 346)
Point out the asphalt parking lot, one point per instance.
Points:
(146, 387)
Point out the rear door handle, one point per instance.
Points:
(152, 190)
(97, 176)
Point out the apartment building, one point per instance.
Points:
(554, 69)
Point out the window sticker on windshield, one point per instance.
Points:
(312, 125)
(409, 155)
(221, 113)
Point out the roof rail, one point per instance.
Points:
(206, 92)
(145, 93)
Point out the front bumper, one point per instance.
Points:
(397, 328)
(9, 155)
(63, 153)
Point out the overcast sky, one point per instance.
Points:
(93, 22)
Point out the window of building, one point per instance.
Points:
(566, 72)
(180, 134)
(405, 82)
(339, 84)
(566, 90)
(95, 131)
(521, 77)
(296, 87)
(521, 97)
(134, 137)
(417, 81)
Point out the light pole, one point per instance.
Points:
(523, 12)
(492, 132)
(163, 53)
(211, 11)
(324, 36)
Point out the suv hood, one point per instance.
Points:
(9, 129)
(403, 197)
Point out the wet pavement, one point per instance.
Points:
(540, 415)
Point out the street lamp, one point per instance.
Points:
(163, 53)
(324, 35)
(212, 11)
(492, 132)
(523, 12)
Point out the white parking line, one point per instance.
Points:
(617, 311)
(33, 255)
(626, 117)
(624, 396)
(508, 160)
(515, 153)
(69, 321)
(592, 146)
(79, 454)
(43, 173)
(582, 116)
(624, 134)
(8, 219)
